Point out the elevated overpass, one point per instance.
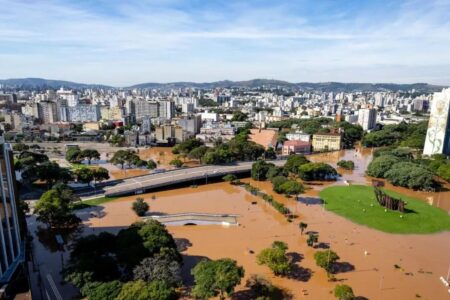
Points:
(141, 184)
(195, 219)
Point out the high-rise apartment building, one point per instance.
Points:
(11, 243)
(166, 109)
(437, 140)
(48, 112)
(367, 118)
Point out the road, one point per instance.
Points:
(141, 184)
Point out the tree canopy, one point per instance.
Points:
(216, 278)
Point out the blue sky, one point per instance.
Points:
(126, 42)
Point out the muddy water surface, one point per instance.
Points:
(421, 259)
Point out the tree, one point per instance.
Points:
(160, 268)
(51, 173)
(123, 157)
(177, 163)
(277, 182)
(380, 165)
(84, 175)
(444, 171)
(140, 207)
(90, 154)
(198, 153)
(411, 175)
(73, 155)
(145, 239)
(275, 258)
(117, 140)
(294, 161)
(54, 208)
(229, 177)
(102, 290)
(343, 292)
(312, 239)
(292, 187)
(346, 164)
(100, 174)
(151, 164)
(302, 227)
(141, 290)
(276, 171)
(316, 171)
(19, 147)
(218, 277)
(263, 289)
(326, 259)
(260, 169)
(239, 116)
(270, 153)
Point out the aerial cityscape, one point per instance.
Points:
(185, 150)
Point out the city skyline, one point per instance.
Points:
(119, 44)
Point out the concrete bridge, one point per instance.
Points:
(141, 184)
(195, 219)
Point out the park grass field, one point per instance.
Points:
(358, 204)
(93, 202)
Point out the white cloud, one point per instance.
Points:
(156, 41)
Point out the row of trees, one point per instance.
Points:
(240, 148)
(131, 158)
(405, 135)
(75, 155)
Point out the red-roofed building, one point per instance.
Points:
(296, 147)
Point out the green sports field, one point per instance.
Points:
(358, 204)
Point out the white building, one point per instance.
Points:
(367, 118)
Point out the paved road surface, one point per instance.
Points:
(141, 184)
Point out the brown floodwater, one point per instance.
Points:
(421, 258)
(362, 157)
(163, 155)
(127, 173)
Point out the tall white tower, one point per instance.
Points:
(437, 140)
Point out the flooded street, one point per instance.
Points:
(377, 265)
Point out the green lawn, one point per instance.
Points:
(358, 204)
(93, 202)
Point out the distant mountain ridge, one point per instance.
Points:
(40, 83)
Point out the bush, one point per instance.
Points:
(151, 164)
(140, 207)
(346, 164)
(177, 163)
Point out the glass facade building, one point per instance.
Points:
(11, 244)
